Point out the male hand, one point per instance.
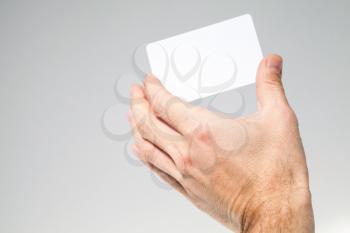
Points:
(249, 173)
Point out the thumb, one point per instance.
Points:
(269, 88)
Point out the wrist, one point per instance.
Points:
(283, 213)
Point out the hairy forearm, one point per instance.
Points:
(283, 216)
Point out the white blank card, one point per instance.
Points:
(208, 60)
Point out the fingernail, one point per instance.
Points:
(275, 64)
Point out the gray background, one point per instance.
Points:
(58, 64)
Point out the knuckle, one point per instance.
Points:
(185, 164)
(203, 135)
(289, 115)
(157, 108)
(275, 82)
(161, 106)
(286, 116)
(144, 128)
(149, 155)
(156, 102)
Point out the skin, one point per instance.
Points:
(249, 173)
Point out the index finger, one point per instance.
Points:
(171, 109)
